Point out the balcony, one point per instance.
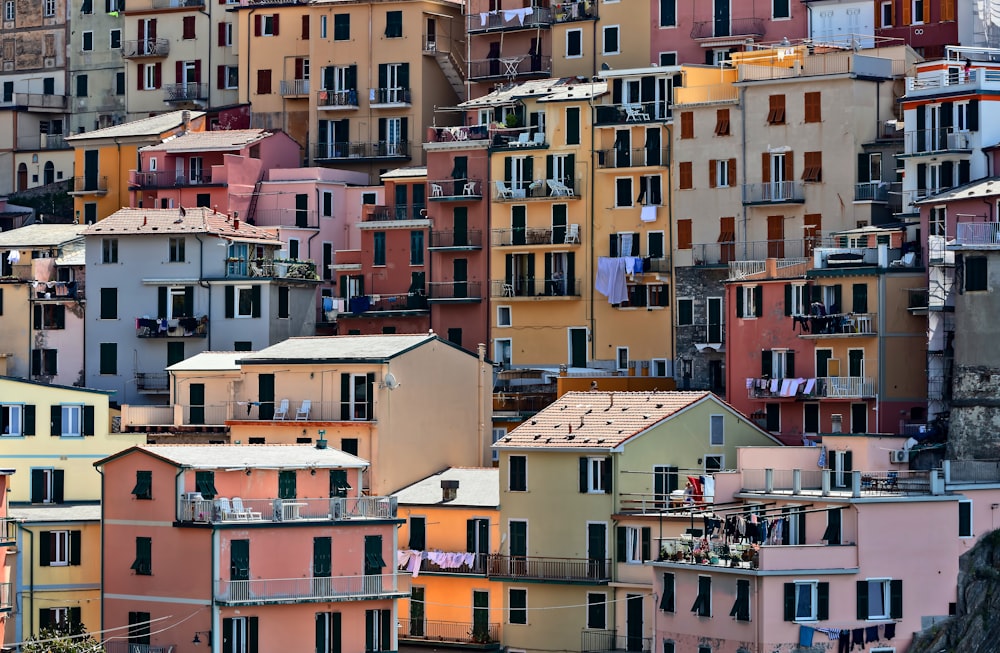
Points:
(638, 157)
(388, 305)
(827, 482)
(521, 403)
(361, 152)
(611, 641)
(936, 141)
(455, 190)
(417, 631)
(398, 212)
(330, 100)
(294, 87)
(775, 192)
(43, 142)
(845, 387)
(318, 411)
(508, 20)
(90, 185)
(628, 113)
(37, 101)
(568, 288)
(460, 134)
(454, 292)
(264, 591)
(167, 179)
(450, 562)
(387, 98)
(515, 67)
(187, 92)
(8, 531)
(176, 4)
(285, 217)
(287, 510)
(569, 11)
(183, 327)
(830, 387)
(952, 80)
(267, 268)
(535, 189)
(977, 233)
(725, 253)
(145, 48)
(871, 191)
(125, 646)
(736, 27)
(469, 239)
(152, 382)
(847, 325)
(536, 236)
(551, 569)
(690, 96)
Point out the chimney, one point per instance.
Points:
(185, 121)
(449, 490)
(236, 223)
(143, 221)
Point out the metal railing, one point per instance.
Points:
(38, 100)
(607, 641)
(521, 402)
(323, 411)
(774, 192)
(534, 189)
(920, 141)
(397, 212)
(286, 510)
(152, 381)
(456, 290)
(826, 481)
(358, 150)
(490, 21)
(168, 178)
(391, 95)
(458, 134)
(477, 566)
(706, 29)
(267, 268)
(43, 142)
(853, 387)
(631, 112)
(633, 158)
(756, 251)
(447, 239)
(508, 566)
(185, 92)
(285, 217)
(183, 327)
(570, 10)
(134, 49)
(125, 646)
(516, 138)
(448, 631)
(531, 287)
(292, 87)
(454, 189)
(526, 236)
(871, 191)
(510, 67)
(170, 4)
(849, 324)
(972, 471)
(977, 233)
(8, 530)
(90, 184)
(316, 588)
(327, 98)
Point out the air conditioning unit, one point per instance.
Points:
(836, 423)
(899, 456)
(958, 141)
(193, 496)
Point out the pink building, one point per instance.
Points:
(8, 538)
(813, 540)
(218, 169)
(707, 32)
(266, 547)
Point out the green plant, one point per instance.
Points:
(511, 120)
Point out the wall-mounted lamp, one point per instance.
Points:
(206, 633)
(248, 471)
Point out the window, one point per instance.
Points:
(685, 311)
(88, 41)
(880, 598)
(741, 607)
(574, 43)
(138, 628)
(81, 85)
(714, 463)
(59, 548)
(229, 77)
(518, 606)
(47, 485)
(67, 420)
(378, 248)
(263, 82)
(597, 607)
(341, 27)
(9, 11)
(502, 351)
(965, 519)
(649, 191)
(109, 358)
(622, 358)
(204, 482)
(416, 247)
(777, 363)
(684, 175)
(517, 474)
(188, 28)
(703, 603)
(239, 634)
(176, 250)
(595, 475)
(150, 78)
(355, 395)
(717, 425)
(243, 301)
(807, 601)
(780, 9)
(17, 420)
(916, 12)
(393, 24)
(143, 484)
(796, 299)
(776, 110)
(225, 35)
(49, 316)
(722, 122)
(611, 45)
(328, 632)
(634, 544)
(503, 316)
(44, 362)
(283, 308)
(749, 301)
(623, 192)
(668, 13)
(687, 124)
(886, 13)
(49, 8)
(322, 27)
(266, 25)
(813, 107)
(116, 39)
(668, 593)
(976, 270)
(143, 564)
(721, 173)
(814, 167)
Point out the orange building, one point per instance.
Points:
(7, 538)
(247, 548)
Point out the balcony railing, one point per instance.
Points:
(330, 99)
(329, 588)
(322, 411)
(286, 217)
(833, 387)
(706, 254)
(710, 29)
(374, 150)
(188, 92)
(534, 189)
(507, 566)
(972, 471)
(977, 233)
(43, 142)
(454, 291)
(204, 415)
(445, 190)
(8, 530)
(172, 4)
(571, 10)
(633, 158)
(846, 324)
(141, 48)
(458, 134)
(450, 563)
(95, 185)
(37, 101)
(514, 19)
(775, 192)
(168, 179)
(705, 95)
(536, 236)
(458, 632)
(392, 96)
(871, 191)
(128, 647)
(449, 239)
(611, 641)
(531, 287)
(942, 139)
(6, 597)
(632, 112)
(143, 416)
(157, 382)
(512, 67)
(845, 387)
(400, 212)
(827, 481)
(287, 510)
(266, 268)
(182, 327)
(294, 87)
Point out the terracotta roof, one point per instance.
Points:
(221, 139)
(152, 126)
(176, 221)
(598, 420)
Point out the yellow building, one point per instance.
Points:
(104, 158)
(51, 435)
(58, 566)
(452, 532)
(572, 481)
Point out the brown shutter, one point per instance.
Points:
(140, 77)
(220, 79)
(789, 166)
(305, 28)
(256, 25)
(274, 23)
(684, 234)
(685, 175)
(732, 172)
(927, 11)
(765, 167)
(222, 34)
(157, 76)
(712, 179)
(906, 12)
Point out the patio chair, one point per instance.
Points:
(281, 412)
(538, 139)
(303, 412)
(572, 234)
(635, 113)
(559, 189)
(522, 140)
(223, 508)
(241, 512)
(503, 192)
(437, 190)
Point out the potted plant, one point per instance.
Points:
(511, 120)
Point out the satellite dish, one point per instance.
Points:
(390, 381)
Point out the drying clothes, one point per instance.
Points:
(610, 279)
(810, 386)
(648, 213)
(633, 265)
(858, 638)
(14, 256)
(360, 305)
(844, 644)
(890, 631)
(806, 636)
(871, 634)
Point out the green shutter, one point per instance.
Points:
(230, 301)
(44, 540)
(765, 363)
(286, 484)
(255, 301)
(964, 518)
(55, 423)
(470, 536)
(896, 599)
(252, 625)
(789, 601)
(58, 485)
(621, 543)
(28, 419)
(738, 291)
(417, 533)
(584, 485)
(862, 596)
(88, 420)
(573, 126)
(859, 298)
(822, 601)
(667, 595)
(161, 302)
(788, 299)
(647, 540)
(758, 300)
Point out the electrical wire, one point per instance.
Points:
(101, 632)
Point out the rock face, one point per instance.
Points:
(975, 628)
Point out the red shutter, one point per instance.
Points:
(274, 22)
(298, 68)
(151, 30)
(222, 34)
(179, 67)
(220, 81)
(140, 76)
(197, 72)
(305, 28)
(256, 25)
(157, 76)
(141, 31)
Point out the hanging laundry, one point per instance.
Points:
(610, 279)
(648, 213)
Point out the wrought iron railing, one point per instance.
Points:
(317, 588)
(534, 567)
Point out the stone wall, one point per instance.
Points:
(698, 283)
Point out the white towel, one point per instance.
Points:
(749, 383)
(624, 244)
(775, 385)
(810, 385)
(786, 384)
(648, 213)
(610, 279)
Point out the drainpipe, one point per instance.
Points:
(25, 634)
(590, 217)
(208, 14)
(670, 230)
(481, 350)
(103, 549)
(743, 154)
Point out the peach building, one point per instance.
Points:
(247, 548)
(7, 537)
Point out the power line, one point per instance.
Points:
(106, 630)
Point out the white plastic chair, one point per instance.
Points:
(522, 140)
(436, 190)
(572, 234)
(538, 139)
(635, 113)
(503, 192)
(241, 512)
(469, 188)
(303, 412)
(281, 412)
(559, 189)
(225, 510)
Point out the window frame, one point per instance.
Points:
(603, 603)
(981, 284)
(511, 477)
(115, 36)
(49, 8)
(604, 40)
(595, 474)
(237, 304)
(60, 545)
(15, 416)
(720, 420)
(109, 251)
(886, 584)
(85, 36)
(521, 611)
(971, 529)
(508, 344)
(72, 415)
(502, 310)
(579, 33)
(175, 250)
(620, 193)
(9, 10)
(714, 456)
(267, 25)
(813, 588)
